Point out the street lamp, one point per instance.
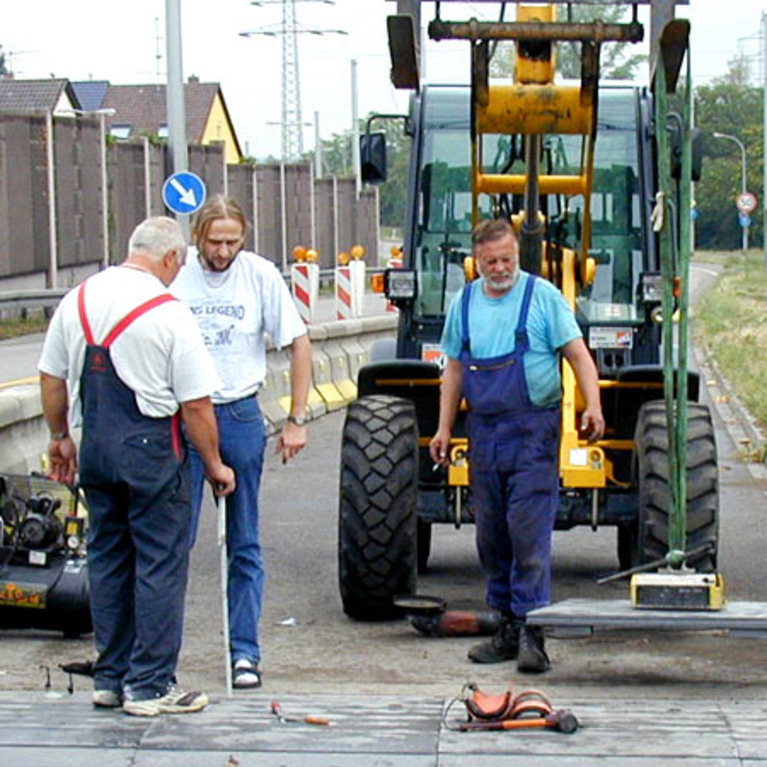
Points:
(743, 189)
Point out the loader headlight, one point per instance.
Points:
(400, 284)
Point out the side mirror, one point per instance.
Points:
(697, 154)
(676, 153)
(373, 157)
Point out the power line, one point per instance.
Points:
(289, 29)
(11, 55)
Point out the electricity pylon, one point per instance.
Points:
(289, 29)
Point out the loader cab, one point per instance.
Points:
(614, 311)
(437, 235)
(438, 231)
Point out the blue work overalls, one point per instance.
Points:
(133, 472)
(514, 477)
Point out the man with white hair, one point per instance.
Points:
(124, 360)
(504, 338)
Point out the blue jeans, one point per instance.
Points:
(242, 440)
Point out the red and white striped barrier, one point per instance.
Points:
(343, 293)
(350, 290)
(305, 282)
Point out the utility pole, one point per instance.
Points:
(175, 88)
(317, 147)
(356, 161)
(292, 124)
(157, 50)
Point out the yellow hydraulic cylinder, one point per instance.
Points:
(535, 109)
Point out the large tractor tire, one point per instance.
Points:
(647, 539)
(377, 535)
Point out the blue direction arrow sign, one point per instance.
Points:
(183, 192)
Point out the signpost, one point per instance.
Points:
(184, 192)
(746, 203)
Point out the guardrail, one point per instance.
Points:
(31, 299)
(339, 350)
(46, 298)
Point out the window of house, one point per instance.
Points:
(120, 131)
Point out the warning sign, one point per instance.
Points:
(746, 202)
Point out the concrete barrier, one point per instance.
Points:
(23, 433)
(339, 350)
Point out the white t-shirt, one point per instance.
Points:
(160, 356)
(234, 309)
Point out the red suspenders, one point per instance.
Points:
(119, 327)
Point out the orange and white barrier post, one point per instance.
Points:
(350, 284)
(343, 288)
(357, 267)
(305, 282)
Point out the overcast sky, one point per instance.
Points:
(125, 44)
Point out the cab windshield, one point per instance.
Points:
(443, 233)
(615, 208)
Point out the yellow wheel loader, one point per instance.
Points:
(596, 179)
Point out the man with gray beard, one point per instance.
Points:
(503, 339)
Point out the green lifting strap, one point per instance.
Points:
(674, 261)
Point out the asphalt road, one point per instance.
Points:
(19, 356)
(309, 646)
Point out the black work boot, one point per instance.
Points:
(532, 658)
(503, 646)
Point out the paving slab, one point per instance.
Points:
(376, 731)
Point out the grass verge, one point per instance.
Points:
(729, 321)
(13, 328)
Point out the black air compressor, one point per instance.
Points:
(43, 569)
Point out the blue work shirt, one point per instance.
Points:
(550, 325)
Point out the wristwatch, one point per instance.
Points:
(298, 420)
(58, 436)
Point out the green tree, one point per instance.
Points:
(616, 60)
(728, 105)
(3, 68)
(337, 154)
(337, 160)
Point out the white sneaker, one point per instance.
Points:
(175, 701)
(245, 675)
(107, 699)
